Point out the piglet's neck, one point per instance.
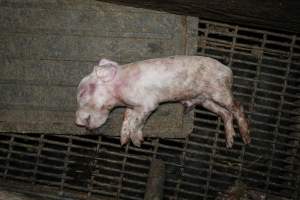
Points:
(117, 93)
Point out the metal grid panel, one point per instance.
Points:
(267, 72)
(75, 167)
(266, 79)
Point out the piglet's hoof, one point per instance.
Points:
(125, 135)
(124, 140)
(137, 138)
(229, 141)
(246, 138)
(245, 132)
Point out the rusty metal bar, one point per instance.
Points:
(156, 179)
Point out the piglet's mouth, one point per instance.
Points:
(80, 125)
(87, 127)
(83, 123)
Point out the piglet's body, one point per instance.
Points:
(143, 85)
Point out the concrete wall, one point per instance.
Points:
(48, 46)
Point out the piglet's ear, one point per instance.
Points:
(106, 72)
(105, 61)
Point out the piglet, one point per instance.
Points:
(141, 86)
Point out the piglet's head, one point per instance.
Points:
(95, 95)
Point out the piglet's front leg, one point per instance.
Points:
(134, 120)
(128, 126)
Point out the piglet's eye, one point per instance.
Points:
(82, 92)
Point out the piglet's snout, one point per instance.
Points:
(83, 121)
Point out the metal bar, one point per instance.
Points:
(122, 173)
(8, 157)
(92, 179)
(40, 146)
(182, 161)
(156, 179)
(66, 162)
(246, 28)
(279, 113)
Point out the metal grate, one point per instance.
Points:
(266, 66)
(267, 79)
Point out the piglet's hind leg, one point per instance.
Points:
(238, 112)
(226, 117)
(225, 100)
